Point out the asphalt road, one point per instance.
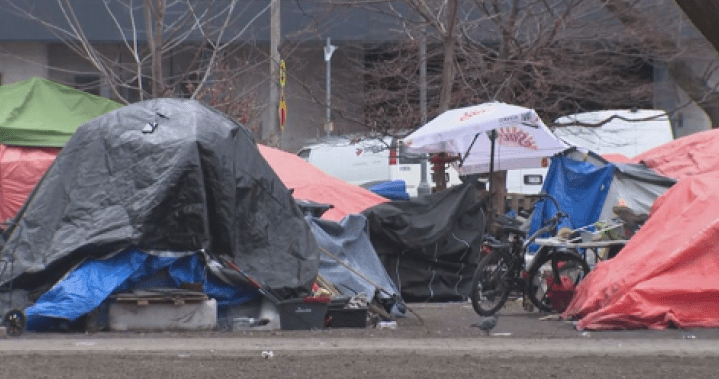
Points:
(442, 344)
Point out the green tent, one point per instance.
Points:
(40, 112)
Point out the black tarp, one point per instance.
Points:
(430, 245)
(163, 176)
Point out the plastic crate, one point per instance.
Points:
(347, 317)
(296, 314)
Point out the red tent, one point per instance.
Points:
(310, 183)
(616, 158)
(686, 156)
(668, 273)
(20, 169)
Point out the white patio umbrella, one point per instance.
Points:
(521, 140)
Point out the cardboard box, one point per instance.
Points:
(128, 316)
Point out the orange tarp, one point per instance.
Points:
(20, 169)
(311, 183)
(668, 273)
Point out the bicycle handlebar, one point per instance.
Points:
(551, 225)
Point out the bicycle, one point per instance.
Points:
(555, 270)
(502, 270)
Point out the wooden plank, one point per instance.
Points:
(144, 301)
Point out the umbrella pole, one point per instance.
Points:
(492, 197)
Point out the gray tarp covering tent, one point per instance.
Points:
(348, 241)
(635, 184)
(163, 176)
(430, 245)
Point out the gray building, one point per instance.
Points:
(28, 49)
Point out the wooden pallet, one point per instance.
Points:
(145, 298)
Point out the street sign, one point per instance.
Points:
(283, 73)
(283, 112)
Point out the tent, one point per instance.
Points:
(37, 117)
(687, 156)
(587, 187)
(430, 245)
(168, 178)
(349, 244)
(310, 183)
(20, 169)
(667, 274)
(521, 138)
(40, 112)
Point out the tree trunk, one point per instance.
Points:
(448, 74)
(155, 23)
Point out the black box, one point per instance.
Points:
(346, 317)
(295, 314)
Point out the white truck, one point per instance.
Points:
(628, 133)
(368, 162)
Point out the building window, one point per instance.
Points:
(88, 83)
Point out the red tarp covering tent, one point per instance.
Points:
(20, 169)
(310, 183)
(668, 273)
(686, 156)
(37, 117)
(616, 158)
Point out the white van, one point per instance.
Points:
(527, 181)
(369, 162)
(618, 136)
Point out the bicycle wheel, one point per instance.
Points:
(490, 287)
(541, 289)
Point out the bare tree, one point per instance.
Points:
(695, 83)
(192, 35)
(230, 92)
(556, 56)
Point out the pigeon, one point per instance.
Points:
(486, 324)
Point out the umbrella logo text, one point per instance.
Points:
(475, 112)
(513, 137)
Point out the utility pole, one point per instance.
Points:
(329, 49)
(272, 132)
(423, 188)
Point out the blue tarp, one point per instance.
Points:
(88, 286)
(393, 190)
(580, 189)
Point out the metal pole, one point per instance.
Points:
(423, 188)
(273, 130)
(492, 138)
(329, 49)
